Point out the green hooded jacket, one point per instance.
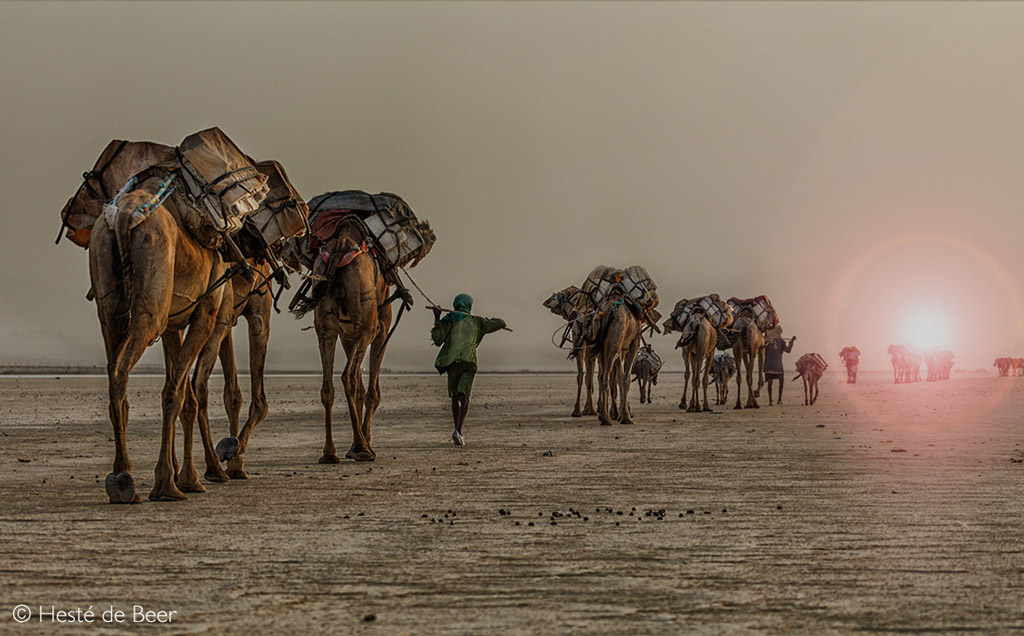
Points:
(458, 333)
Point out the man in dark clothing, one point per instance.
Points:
(775, 346)
(458, 333)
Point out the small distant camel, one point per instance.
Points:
(1018, 366)
(851, 358)
(810, 368)
(1004, 365)
(645, 371)
(723, 367)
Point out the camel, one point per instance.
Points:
(901, 356)
(1004, 365)
(571, 305)
(1018, 366)
(851, 359)
(618, 332)
(939, 362)
(810, 367)
(698, 341)
(154, 282)
(752, 320)
(645, 371)
(354, 309)
(722, 369)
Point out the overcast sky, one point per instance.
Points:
(860, 163)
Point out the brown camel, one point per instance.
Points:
(722, 369)
(618, 332)
(645, 371)
(810, 367)
(698, 341)
(1018, 366)
(753, 319)
(851, 359)
(1004, 365)
(353, 309)
(154, 282)
(571, 305)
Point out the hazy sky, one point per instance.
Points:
(860, 163)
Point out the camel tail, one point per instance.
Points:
(797, 376)
(122, 233)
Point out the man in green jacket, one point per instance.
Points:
(458, 333)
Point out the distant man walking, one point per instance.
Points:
(458, 333)
(774, 348)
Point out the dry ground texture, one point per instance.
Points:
(883, 508)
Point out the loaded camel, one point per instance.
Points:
(722, 369)
(1004, 365)
(697, 340)
(149, 282)
(617, 341)
(571, 305)
(645, 371)
(851, 360)
(753, 318)
(810, 367)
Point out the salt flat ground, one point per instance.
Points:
(883, 508)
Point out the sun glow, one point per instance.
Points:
(925, 325)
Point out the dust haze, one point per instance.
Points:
(850, 160)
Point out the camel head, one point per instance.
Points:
(564, 303)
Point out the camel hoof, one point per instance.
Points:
(737, 407)
(360, 455)
(606, 422)
(121, 489)
(708, 409)
(576, 414)
(628, 422)
(329, 459)
(238, 473)
(590, 412)
(191, 486)
(227, 448)
(682, 406)
(216, 476)
(167, 492)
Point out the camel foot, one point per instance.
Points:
(363, 455)
(215, 474)
(227, 448)
(693, 409)
(238, 473)
(707, 409)
(576, 413)
(682, 406)
(121, 489)
(606, 422)
(627, 421)
(166, 492)
(589, 411)
(329, 459)
(191, 486)
(737, 407)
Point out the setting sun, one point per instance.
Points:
(924, 325)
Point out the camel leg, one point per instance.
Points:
(686, 379)
(201, 328)
(694, 383)
(590, 361)
(327, 335)
(232, 391)
(372, 400)
(122, 354)
(737, 354)
(352, 380)
(185, 476)
(625, 413)
(201, 385)
(613, 389)
(603, 389)
(259, 335)
(576, 412)
(707, 373)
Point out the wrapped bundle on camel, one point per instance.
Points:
(760, 308)
(717, 310)
(390, 230)
(646, 355)
(646, 366)
(221, 186)
(635, 285)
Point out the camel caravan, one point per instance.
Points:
(185, 240)
(706, 324)
(907, 360)
(1009, 367)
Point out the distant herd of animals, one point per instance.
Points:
(184, 240)
(1010, 366)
